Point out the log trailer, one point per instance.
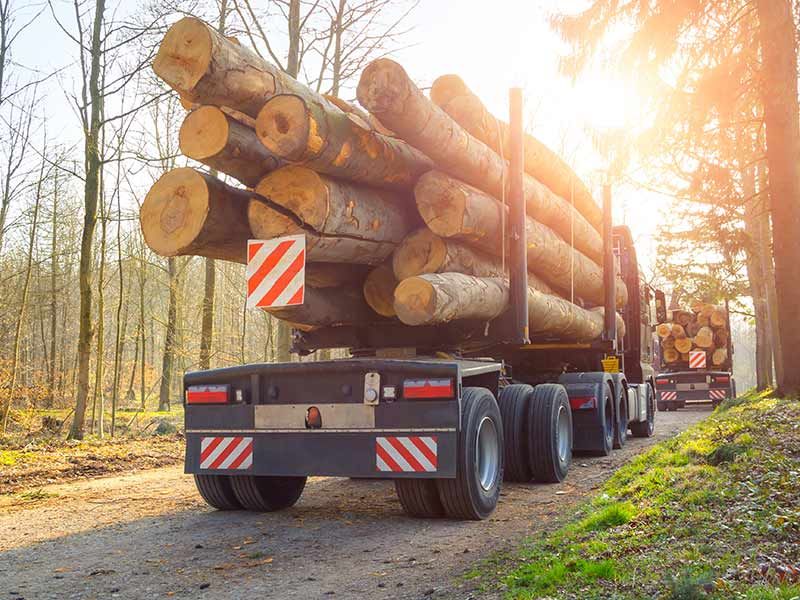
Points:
(696, 380)
(447, 411)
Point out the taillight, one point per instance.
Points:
(662, 381)
(428, 388)
(583, 402)
(208, 394)
(721, 379)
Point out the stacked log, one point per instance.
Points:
(402, 205)
(703, 328)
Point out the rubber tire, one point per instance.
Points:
(419, 498)
(621, 419)
(662, 406)
(647, 428)
(608, 436)
(672, 406)
(267, 493)
(547, 400)
(463, 497)
(217, 491)
(733, 388)
(514, 401)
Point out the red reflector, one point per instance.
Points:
(207, 394)
(583, 402)
(428, 388)
(662, 381)
(722, 379)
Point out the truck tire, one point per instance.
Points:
(266, 493)
(217, 491)
(474, 492)
(621, 418)
(514, 401)
(733, 388)
(645, 429)
(662, 406)
(549, 433)
(419, 497)
(606, 418)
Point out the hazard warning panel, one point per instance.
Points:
(276, 272)
(697, 359)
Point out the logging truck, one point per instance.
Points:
(695, 356)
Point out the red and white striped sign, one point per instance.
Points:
(718, 394)
(697, 359)
(233, 453)
(669, 395)
(406, 454)
(276, 272)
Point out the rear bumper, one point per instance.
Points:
(706, 395)
(381, 453)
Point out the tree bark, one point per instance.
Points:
(386, 91)
(456, 210)
(190, 213)
(207, 68)
(168, 357)
(333, 306)
(207, 326)
(305, 128)
(323, 275)
(334, 207)
(440, 298)
(213, 138)
(451, 94)
(782, 120)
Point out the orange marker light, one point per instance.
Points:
(313, 418)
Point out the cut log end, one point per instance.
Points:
(383, 87)
(299, 190)
(441, 204)
(415, 301)
(447, 87)
(174, 211)
(184, 55)
(420, 252)
(204, 133)
(683, 345)
(379, 289)
(267, 223)
(283, 125)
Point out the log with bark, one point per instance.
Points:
(189, 213)
(342, 305)
(319, 135)
(333, 207)
(205, 67)
(454, 209)
(211, 137)
(704, 328)
(451, 94)
(386, 91)
(443, 297)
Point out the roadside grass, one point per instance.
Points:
(711, 513)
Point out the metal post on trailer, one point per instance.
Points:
(609, 272)
(518, 257)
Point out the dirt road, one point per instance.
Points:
(148, 535)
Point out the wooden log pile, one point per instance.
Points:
(703, 328)
(402, 200)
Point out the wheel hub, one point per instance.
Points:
(487, 452)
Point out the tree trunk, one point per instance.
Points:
(283, 342)
(386, 90)
(90, 198)
(213, 138)
(440, 298)
(51, 367)
(768, 269)
(456, 210)
(99, 369)
(305, 128)
(333, 306)
(168, 358)
(190, 213)
(327, 275)
(207, 327)
(267, 223)
(293, 58)
(334, 207)
(782, 120)
(205, 67)
(451, 94)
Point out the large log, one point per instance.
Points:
(451, 94)
(311, 131)
(271, 221)
(422, 251)
(328, 275)
(379, 289)
(213, 138)
(334, 306)
(440, 298)
(456, 210)
(207, 68)
(340, 208)
(191, 213)
(386, 91)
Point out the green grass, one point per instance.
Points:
(697, 516)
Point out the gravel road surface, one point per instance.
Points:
(149, 535)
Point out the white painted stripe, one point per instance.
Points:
(382, 466)
(431, 444)
(290, 290)
(247, 462)
(415, 452)
(259, 258)
(269, 280)
(205, 442)
(241, 447)
(217, 451)
(396, 456)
